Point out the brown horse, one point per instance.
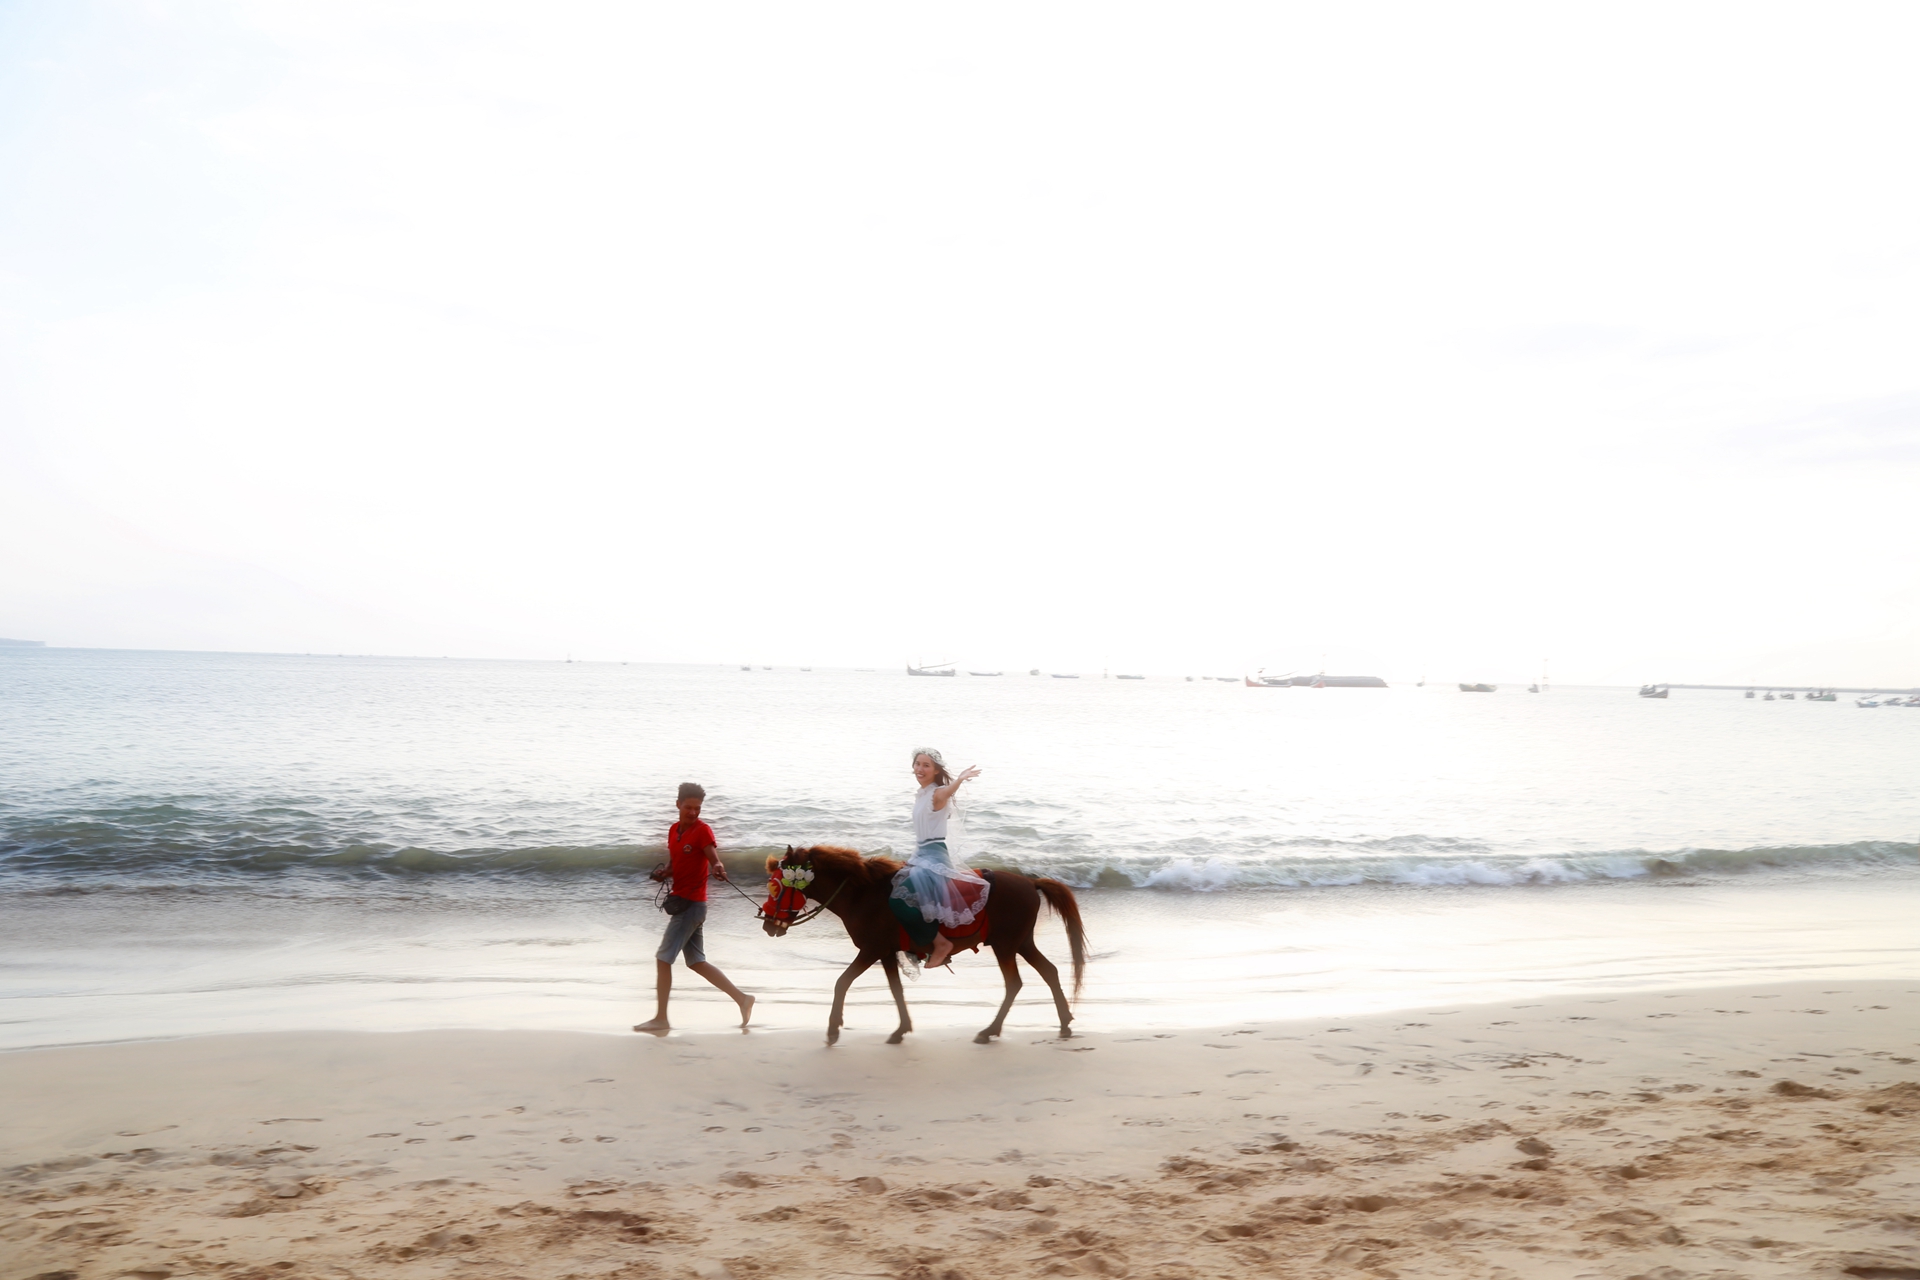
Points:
(856, 889)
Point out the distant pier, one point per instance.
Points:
(1780, 688)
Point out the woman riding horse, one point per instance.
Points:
(930, 892)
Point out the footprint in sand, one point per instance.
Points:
(570, 1139)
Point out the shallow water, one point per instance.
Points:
(194, 842)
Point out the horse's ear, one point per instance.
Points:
(789, 851)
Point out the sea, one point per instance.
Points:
(204, 843)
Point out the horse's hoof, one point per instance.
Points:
(833, 1037)
(897, 1037)
(985, 1037)
(1066, 1033)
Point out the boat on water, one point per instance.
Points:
(746, 668)
(1129, 677)
(986, 673)
(937, 669)
(1769, 697)
(1749, 693)
(1786, 697)
(1654, 691)
(1066, 675)
(1479, 688)
(1034, 672)
(1822, 695)
(1261, 680)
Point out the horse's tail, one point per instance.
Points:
(1061, 899)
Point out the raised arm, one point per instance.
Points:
(943, 794)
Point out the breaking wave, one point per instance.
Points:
(176, 843)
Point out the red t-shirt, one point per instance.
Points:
(688, 854)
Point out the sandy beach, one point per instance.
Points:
(1751, 1132)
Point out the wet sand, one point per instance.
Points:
(1752, 1132)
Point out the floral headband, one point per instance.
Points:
(938, 760)
(796, 877)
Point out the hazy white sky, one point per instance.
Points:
(1400, 338)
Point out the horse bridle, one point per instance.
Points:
(794, 880)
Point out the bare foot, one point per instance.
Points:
(942, 949)
(746, 1009)
(655, 1026)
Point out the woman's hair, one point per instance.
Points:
(940, 775)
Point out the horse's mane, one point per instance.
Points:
(849, 863)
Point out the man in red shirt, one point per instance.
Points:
(692, 857)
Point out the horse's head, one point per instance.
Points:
(788, 879)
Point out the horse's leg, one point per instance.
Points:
(1010, 970)
(891, 963)
(861, 963)
(1030, 951)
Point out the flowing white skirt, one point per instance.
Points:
(942, 893)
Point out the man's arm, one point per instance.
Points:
(714, 866)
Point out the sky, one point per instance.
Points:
(1396, 339)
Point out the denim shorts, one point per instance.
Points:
(683, 932)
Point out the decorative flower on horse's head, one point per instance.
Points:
(796, 877)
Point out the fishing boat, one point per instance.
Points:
(1066, 675)
(1129, 677)
(1822, 695)
(985, 673)
(937, 669)
(1479, 688)
(1786, 697)
(1261, 680)
(1653, 691)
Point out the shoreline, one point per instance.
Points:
(77, 971)
(1604, 1135)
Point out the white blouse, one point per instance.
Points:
(929, 823)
